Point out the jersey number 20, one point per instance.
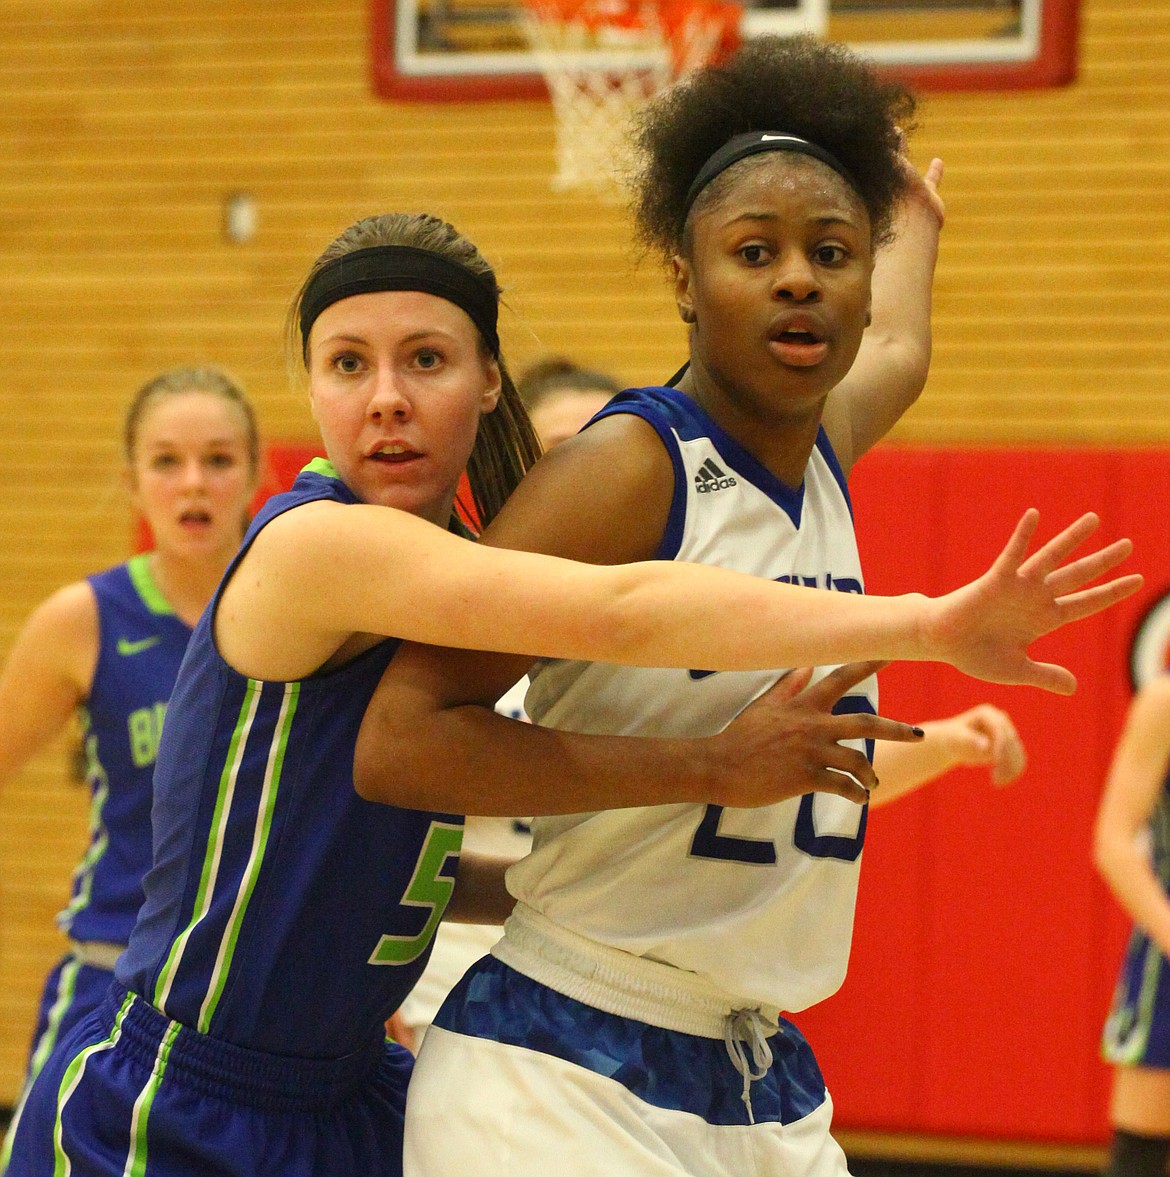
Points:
(708, 842)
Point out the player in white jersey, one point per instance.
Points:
(778, 929)
(629, 1021)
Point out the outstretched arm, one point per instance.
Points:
(982, 736)
(894, 358)
(323, 573)
(429, 738)
(425, 743)
(47, 673)
(1132, 792)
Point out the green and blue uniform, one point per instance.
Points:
(1137, 1030)
(285, 919)
(141, 642)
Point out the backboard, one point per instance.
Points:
(462, 50)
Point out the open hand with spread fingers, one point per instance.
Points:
(789, 741)
(985, 627)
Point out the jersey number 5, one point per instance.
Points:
(429, 887)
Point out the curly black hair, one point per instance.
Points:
(822, 92)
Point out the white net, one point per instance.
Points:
(602, 60)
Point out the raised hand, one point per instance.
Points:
(985, 627)
(923, 188)
(788, 742)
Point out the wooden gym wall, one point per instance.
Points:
(122, 132)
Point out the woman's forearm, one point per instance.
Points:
(1126, 870)
(480, 896)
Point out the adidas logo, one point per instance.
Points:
(711, 478)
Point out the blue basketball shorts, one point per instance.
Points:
(131, 1092)
(1137, 1030)
(72, 991)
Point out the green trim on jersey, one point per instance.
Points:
(211, 858)
(66, 989)
(272, 773)
(1127, 1028)
(99, 837)
(213, 853)
(136, 1162)
(146, 587)
(62, 1165)
(322, 466)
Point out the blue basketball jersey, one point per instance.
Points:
(141, 644)
(1137, 1030)
(283, 913)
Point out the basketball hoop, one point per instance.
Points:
(603, 59)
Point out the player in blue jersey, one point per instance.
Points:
(286, 914)
(1132, 852)
(109, 648)
(629, 1022)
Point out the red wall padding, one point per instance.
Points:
(986, 947)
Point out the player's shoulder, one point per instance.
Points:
(63, 632)
(618, 458)
(601, 496)
(1152, 701)
(69, 610)
(300, 535)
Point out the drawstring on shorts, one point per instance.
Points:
(746, 1030)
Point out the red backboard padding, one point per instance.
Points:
(986, 947)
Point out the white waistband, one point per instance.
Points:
(96, 953)
(619, 982)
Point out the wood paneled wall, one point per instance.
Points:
(123, 130)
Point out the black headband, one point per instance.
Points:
(402, 267)
(741, 146)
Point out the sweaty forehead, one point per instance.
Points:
(772, 173)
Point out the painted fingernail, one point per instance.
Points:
(918, 731)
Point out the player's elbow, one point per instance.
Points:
(379, 772)
(1109, 853)
(914, 361)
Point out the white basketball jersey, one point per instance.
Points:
(758, 901)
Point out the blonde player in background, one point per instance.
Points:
(109, 648)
